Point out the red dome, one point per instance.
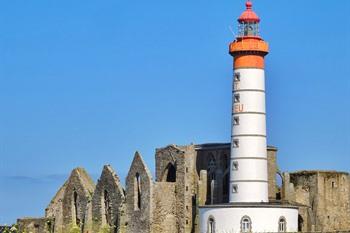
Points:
(249, 16)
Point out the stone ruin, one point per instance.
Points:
(186, 177)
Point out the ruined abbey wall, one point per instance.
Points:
(107, 206)
(186, 177)
(325, 196)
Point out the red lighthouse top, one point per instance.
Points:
(249, 16)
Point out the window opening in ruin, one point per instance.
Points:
(211, 225)
(108, 208)
(279, 183)
(282, 225)
(211, 178)
(300, 223)
(246, 224)
(170, 173)
(226, 184)
(333, 184)
(137, 192)
(76, 208)
(226, 161)
(116, 224)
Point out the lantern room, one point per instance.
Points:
(249, 22)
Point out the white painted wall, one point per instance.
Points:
(250, 124)
(254, 79)
(246, 150)
(251, 178)
(253, 169)
(253, 101)
(247, 191)
(228, 219)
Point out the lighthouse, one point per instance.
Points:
(249, 176)
(249, 209)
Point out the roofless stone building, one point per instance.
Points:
(186, 177)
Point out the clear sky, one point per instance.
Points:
(87, 83)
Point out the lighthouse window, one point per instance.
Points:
(237, 98)
(235, 166)
(237, 77)
(235, 188)
(282, 225)
(236, 121)
(235, 143)
(246, 224)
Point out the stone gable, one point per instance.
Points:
(108, 202)
(139, 196)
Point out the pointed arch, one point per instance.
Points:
(137, 192)
(282, 224)
(76, 208)
(107, 208)
(246, 224)
(211, 167)
(300, 223)
(169, 174)
(211, 225)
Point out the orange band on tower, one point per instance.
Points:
(249, 61)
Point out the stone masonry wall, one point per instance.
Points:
(36, 225)
(182, 158)
(272, 172)
(108, 203)
(139, 197)
(55, 209)
(326, 193)
(164, 208)
(185, 177)
(333, 208)
(69, 206)
(77, 195)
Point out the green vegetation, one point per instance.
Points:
(74, 229)
(11, 229)
(106, 229)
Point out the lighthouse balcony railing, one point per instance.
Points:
(249, 44)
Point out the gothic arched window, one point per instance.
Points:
(108, 208)
(76, 208)
(246, 224)
(170, 173)
(282, 225)
(211, 225)
(211, 178)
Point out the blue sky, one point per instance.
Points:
(87, 83)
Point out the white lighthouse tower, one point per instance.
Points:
(249, 209)
(249, 180)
